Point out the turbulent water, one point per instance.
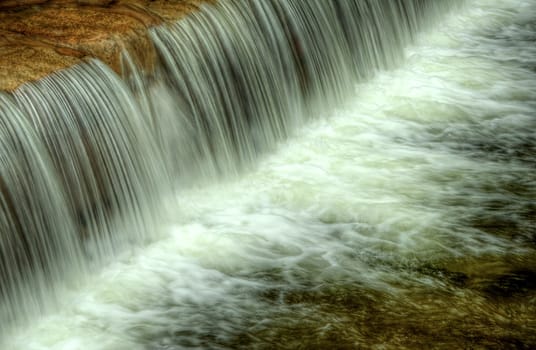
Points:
(401, 216)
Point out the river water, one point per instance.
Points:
(402, 218)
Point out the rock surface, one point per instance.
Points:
(38, 37)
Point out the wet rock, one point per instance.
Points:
(512, 284)
(95, 2)
(17, 4)
(34, 43)
(23, 60)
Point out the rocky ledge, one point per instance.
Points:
(38, 37)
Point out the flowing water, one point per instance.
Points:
(290, 177)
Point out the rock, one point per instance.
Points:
(34, 43)
(95, 2)
(17, 4)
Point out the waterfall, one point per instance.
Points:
(87, 156)
(242, 75)
(80, 178)
(35, 224)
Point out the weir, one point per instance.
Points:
(87, 156)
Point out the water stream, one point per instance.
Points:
(295, 190)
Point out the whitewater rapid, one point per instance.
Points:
(392, 214)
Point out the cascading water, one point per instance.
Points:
(80, 169)
(234, 79)
(243, 74)
(35, 229)
(397, 215)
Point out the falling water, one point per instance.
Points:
(243, 75)
(32, 235)
(79, 169)
(290, 175)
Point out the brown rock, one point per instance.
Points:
(14, 4)
(95, 2)
(38, 40)
(23, 60)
